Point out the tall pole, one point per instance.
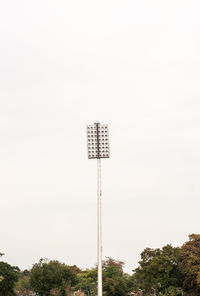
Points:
(99, 227)
(98, 147)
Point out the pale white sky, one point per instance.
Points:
(64, 64)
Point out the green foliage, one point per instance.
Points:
(50, 276)
(114, 285)
(110, 262)
(158, 270)
(87, 281)
(190, 264)
(114, 279)
(131, 283)
(172, 291)
(8, 278)
(162, 272)
(23, 287)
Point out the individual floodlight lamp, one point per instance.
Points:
(98, 147)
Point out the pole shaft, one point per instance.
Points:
(99, 227)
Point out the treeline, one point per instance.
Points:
(169, 271)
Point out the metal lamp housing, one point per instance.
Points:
(98, 141)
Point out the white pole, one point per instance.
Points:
(99, 227)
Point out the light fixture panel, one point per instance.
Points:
(98, 141)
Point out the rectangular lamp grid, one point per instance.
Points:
(98, 141)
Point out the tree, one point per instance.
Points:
(131, 283)
(50, 276)
(1, 277)
(112, 262)
(159, 270)
(190, 264)
(87, 281)
(172, 291)
(23, 286)
(114, 279)
(8, 278)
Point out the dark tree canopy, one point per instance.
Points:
(114, 279)
(190, 264)
(158, 270)
(46, 276)
(8, 278)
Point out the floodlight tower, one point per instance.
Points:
(98, 147)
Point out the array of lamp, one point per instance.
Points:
(98, 141)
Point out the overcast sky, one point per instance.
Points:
(134, 65)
